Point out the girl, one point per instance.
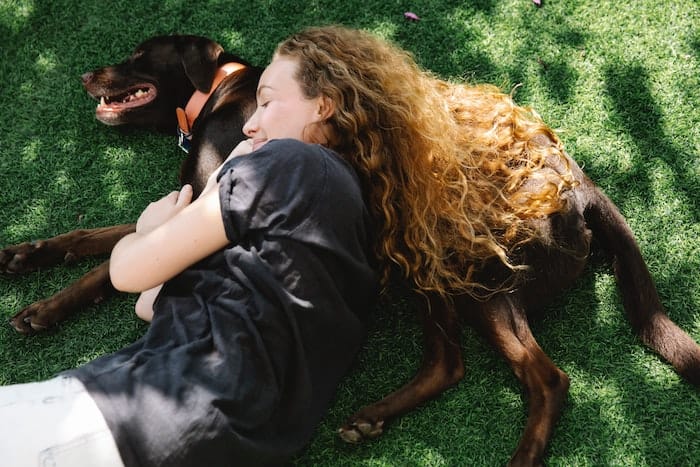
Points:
(266, 277)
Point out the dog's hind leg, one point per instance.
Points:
(92, 288)
(441, 368)
(641, 300)
(62, 249)
(503, 322)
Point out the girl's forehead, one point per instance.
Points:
(281, 70)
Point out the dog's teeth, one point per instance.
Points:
(102, 100)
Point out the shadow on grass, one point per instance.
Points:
(695, 45)
(51, 125)
(546, 48)
(619, 387)
(635, 112)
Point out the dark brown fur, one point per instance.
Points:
(172, 67)
(168, 62)
(503, 321)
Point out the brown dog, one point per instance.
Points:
(163, 74)
(146, 89)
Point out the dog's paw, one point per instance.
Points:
(30, 256)
(356, 431)
(18, 258)
(33, 319)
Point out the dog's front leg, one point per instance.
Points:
(441, 368)
(92, 288)
(503, 322)
(64, 248)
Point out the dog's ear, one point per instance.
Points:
(199, 57)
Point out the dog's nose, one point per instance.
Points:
(86, 77)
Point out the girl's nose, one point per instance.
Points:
(251, 126)
(248, 129)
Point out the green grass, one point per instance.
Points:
(622, 83)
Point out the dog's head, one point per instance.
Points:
(159, 76)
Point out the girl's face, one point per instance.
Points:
(283, 111)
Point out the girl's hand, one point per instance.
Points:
(160, 211)
(144, 304)
(171, 235)
(243, 148)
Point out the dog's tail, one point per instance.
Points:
(641, 300)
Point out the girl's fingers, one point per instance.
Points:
(172, 196)
(184, 196)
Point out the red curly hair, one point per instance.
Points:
(453, 172)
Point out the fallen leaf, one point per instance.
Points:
(409, 15)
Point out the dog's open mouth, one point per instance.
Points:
(133, 97)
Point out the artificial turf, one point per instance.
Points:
(620, 82)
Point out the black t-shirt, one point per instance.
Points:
(247, 346)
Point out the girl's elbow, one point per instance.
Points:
(120, 278)
(121, 266)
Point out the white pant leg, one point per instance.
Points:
(54, 423)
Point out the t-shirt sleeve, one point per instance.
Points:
(272, 189)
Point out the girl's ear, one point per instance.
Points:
(326, 108)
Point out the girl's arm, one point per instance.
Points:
(156, 253)
(171, 235)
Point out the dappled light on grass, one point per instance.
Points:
(46, 62)
(385, 29)
(31, 151)
(623, 413)
(15, 14)
(233, 40)
(118, 160)
(621, 83)
(31, 223)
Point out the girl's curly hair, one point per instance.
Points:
(448, 168)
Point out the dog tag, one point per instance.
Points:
(184, 140)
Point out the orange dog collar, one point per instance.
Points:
(187, 116)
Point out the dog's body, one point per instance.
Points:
(166, 70)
